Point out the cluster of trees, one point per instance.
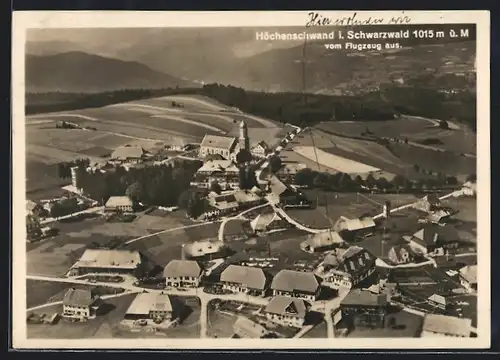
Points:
(33, 227)
(153, 185)
(64, 207)
(64, 168)
(344, 182)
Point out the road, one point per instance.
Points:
(86, 211)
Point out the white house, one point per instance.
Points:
(260, 149)
(80, 304)
(468, 277)
(286, 311)
(214, 144)
(157, 307)
(119, 203)
(244, 279)
(182, 273)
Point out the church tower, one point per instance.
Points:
(243, 141)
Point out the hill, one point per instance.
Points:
(78, 71)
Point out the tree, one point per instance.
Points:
(243, 156)
(416, 168)
(274, 164)
(399, 181)
(359, 181)
(183, 200)
(370, 181)
(215, 187)
(451, 180)
(304, 177)
(33, 227)
(320, 180)
(135, 192)
(383, 183)
(345, 182)
(195, 205)
(472, 178)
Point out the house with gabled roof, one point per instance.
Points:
(216, 144)
(287, 311)
(80, 304)
(351, 228)
(322, 241)
(244, 279)
(468, 277)
(182, 273)
(401, 254)
(296, 284)
(437, 325)
(433, 238)
(128, 154)
(346, 268)
(362, 308)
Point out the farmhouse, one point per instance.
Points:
(288, 171)
(268, 222)
(434, 239)
(350, 228)
(286, 311)
(437, 301)
(323, 241)
(128, 154)
(204, 250)
(401, 254)
(119, 204)
(347, 269)
(247, 329)
(244, 279)
(261, 149)
(214, 144)
(284, 195)
(428, 203)
(468, 277)
(109, 261)
(80, 304)
(361, 308)
(436, 325)
(152, 306)
(224, 172)
(225, 204)
(296, 284)
(182, 273)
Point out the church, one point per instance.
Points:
(228, 147)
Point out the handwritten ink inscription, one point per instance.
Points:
(316, 19)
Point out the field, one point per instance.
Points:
(143, 123)
(318, 332)
(336, 153)
(333, 205)
(53, 257)
(457, 139)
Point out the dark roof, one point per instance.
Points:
(358, 297)
(290, 280)
(176, 268)
(434, 234)
(250, 277)
(78, 297)
(397, 250)
(352, 261)
(284, 305)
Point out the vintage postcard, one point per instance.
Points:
(231, 180)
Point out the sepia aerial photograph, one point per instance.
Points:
(250, 183)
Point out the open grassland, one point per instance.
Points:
(336, 153)
(41, 176)
(54, 256)
(458, 138)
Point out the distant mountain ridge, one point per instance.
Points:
(78, 71)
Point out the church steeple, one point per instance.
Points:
(244, 141)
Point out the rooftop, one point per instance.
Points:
(344, 223)
(218, 165)
(444, 324)
(263, 220)
(222, 142)
(146, 302)
(284, 305)
(115, 201)
(323, 239)
(127, 152)
(290, 280)
(177, 268)
(102, 258)
(246, 328)
(250, 277)
(201, 248)
(78, 297)
(433, 234)
(353, 260)
(469, 273)
(358, 297)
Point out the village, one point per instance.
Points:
(404, 270)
